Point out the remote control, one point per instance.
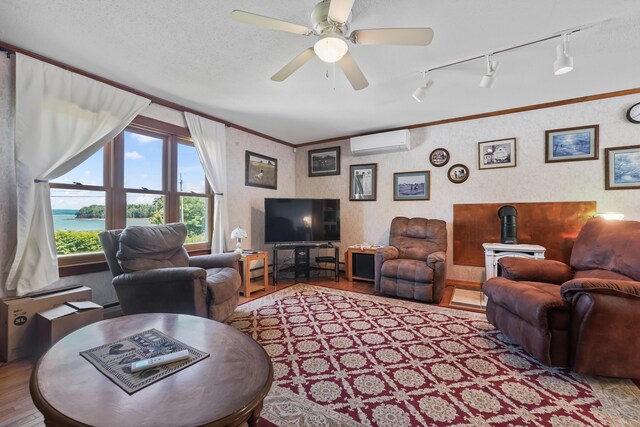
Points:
(159, 360)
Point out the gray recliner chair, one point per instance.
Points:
(152, 273)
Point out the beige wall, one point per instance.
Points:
(531, 181)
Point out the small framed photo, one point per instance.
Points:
(571, 144)
(500, 153)
(363, 182)
(458, 173)
(260, 171)
(622, 168)
(325, 161)
(411, 185)
(439, 157)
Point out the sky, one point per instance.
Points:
(142, 166)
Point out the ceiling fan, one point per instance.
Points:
(330, 20)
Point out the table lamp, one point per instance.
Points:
(238, 233)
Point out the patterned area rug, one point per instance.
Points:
(347, 359)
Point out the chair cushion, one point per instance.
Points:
(223, 284)
(608, 245)
(150, 247)
(539, 304)
(416, 238)
(600, 274)
(408, 269)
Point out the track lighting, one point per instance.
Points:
(421, 92)
(489, 79)
(563, 63)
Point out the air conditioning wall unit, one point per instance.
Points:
(385, 142)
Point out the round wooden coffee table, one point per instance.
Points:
(226, 388)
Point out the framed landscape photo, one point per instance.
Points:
(260, 171)
(458, 173)
(500, 153)
(571, 144)
(325, 161)
(363, 184)
(411, 185)
(622, 167)
(439, 157)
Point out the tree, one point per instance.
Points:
(92, 211)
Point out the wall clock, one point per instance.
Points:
(633, 113)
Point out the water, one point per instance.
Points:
(65, 220)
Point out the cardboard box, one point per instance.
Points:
(18, 324)
(58, 322)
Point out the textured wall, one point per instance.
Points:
(246, 204)
(531, 181)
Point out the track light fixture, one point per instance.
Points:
(421, 92)
(563, 63)
(489, 79)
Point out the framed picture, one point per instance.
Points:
(363, 182)
(458, 173)
(260, 171)
(622, 167)
(411, 185)
(439, 157)
(571, 144)
(325, 161)
(500, 153)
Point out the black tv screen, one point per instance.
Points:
(301, 220)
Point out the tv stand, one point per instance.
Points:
(302, 256)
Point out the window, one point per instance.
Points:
(149, 174)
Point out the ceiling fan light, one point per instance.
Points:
(331, 48)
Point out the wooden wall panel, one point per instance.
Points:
(553, 225)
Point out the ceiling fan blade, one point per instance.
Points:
(293, 66)
(353, 72)
(339, 10)
(403, 36)
(270, 23)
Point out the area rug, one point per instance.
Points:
(348, 359)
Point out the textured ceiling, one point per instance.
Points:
(194, 54)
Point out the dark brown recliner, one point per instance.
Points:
(152, 273)
(414, 263)
(584, 316)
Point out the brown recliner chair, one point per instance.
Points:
(584, 316)
(414, 263)
(154, 274)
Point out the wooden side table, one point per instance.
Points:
(362, 259)
(245, 272)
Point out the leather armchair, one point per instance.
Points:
(414, 264)
(584, 316)
(154, 274)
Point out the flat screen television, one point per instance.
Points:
(301, 220)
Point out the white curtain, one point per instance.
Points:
(210, 140)
(62, 118)
(8, 210)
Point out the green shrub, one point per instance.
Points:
(74, 242)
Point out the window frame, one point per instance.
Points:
(116, 193)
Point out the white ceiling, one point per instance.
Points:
(194, 54)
